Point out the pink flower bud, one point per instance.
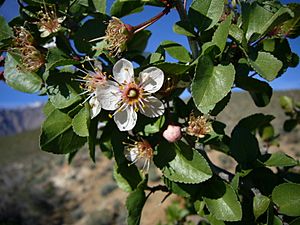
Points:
(172, 133)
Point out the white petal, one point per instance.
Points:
(152, 79)
(123, 71)
(96, 106)
(153, 107)
(126, 119)
(108, 95)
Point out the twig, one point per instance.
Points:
(183, 16)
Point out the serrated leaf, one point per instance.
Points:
(91, 29)
(261, 64)
(123, 8)
(287, 198)
(61, 91)
(244, 146)
(57, 134)
(48, 108)
(255, 121)
(291, 28)
(56, 57)
(237, 33)
(211, 83)
(6, 31)
(176, 51)
(260, 91)
(188, 166)
(267, 132)
(227, 207)
(290, 124)
(134, 204)
(205, 14)
(184, 28)
(80, 123)
(254, 19)
(220, 36)
(279, 159)
(100, 5)
(17, 77)
(155, 127)
(172, 68)
(139, 41)
(260, 205)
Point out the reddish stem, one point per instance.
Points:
(149, 22)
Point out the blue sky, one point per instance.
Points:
(162, 30)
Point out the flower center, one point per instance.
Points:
(132, 93)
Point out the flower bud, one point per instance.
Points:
(172, 133)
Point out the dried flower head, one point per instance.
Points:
(22, 37)
(116, 36)
(198, 126)
(139, 151)
(32, 59)
(49, 22)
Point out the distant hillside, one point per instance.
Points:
(17, 120)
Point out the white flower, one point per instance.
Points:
(139, 151)
(92, 81)
(127, 97)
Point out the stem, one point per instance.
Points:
(149, 22)
(183, 16)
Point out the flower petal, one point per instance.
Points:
(123, 71)
(95, 107)
(108, 95)
(153, 107)
(126, 119)
(152, 79)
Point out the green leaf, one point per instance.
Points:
(56, 57)
(260, 205)
(177, 51)
(257, 20)
(295, 221)
(261, 64)
(100, 5)
(287, 198)
(80, 122)
(244, 146)
(122, 8)
(48, 108)
(184, 28)
(290, 124)
(260, 91)
(227, 207)
(17, 77)
(61, 90)
(211, 83)
(134, 204)
(92, 138)
(267, 132)
(6, 31)
(291, 28)
(255, 121)
(206, 14)
(139, 41)
(174, 69)
(122, 182)
(57, 134)
(213, 221)
(220, 36)
(287, 104)
(279, 159)
(155, 127)
(188, 166)
(236, 33)
(91, 29)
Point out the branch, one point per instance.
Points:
(183, 16)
